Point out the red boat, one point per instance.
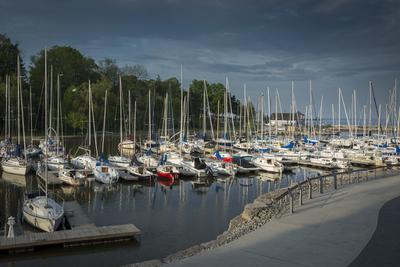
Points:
(167, 172)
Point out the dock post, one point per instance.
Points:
(309, 188)
(321, 184)
(300, 195)
(334, 179)
(291, 201)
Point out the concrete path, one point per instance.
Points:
(330, 230)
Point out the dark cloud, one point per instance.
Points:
(335, 43)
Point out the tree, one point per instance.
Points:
(74, 67)
(8, 57)
(139, 71)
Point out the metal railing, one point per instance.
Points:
(332, 181)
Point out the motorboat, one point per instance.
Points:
(167, 172)
(139, 171)
(268, 164)
(220, 168)
(71, 177)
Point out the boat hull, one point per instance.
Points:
(18, 170)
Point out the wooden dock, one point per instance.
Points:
(83, 232)
(310, 164)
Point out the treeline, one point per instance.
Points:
(75, 70)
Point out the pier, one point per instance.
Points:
(83, 232)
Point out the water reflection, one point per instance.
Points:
(172, 215)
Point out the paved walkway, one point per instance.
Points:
(330, 230)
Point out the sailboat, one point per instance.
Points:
(146, 159)
(43, 212)
(15, 164)
(120, 160)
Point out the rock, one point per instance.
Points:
(184, 253)
(251, 210)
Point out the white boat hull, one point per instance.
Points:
(44, 224)
(18, 170)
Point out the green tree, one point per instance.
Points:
(8, 57)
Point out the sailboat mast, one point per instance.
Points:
(51, 98)
(58, 112)
(45, 115)
(129, 113)
(30, 107)
(181, 126)
(204, 110)
(104, 123)
(6, 110)
(18, 102)
(339, 113)
(355, 113)
(218, 120)
(134, 129)
(89, 119)
(120, 109)
(149, 118)
(262, 116)
(269, 114)
(333, 120)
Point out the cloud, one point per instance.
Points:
(336, 43)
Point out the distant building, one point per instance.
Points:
(285, 119)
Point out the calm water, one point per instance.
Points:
(171, 217)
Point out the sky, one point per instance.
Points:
(269, 43)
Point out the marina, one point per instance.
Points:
(143, 134)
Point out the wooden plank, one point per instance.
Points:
(66, 237)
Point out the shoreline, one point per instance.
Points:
(270, 206)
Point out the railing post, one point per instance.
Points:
(291, 201)
(321, 184)
(309, 188)
(300, 195)
(375, 172)
(334, 179)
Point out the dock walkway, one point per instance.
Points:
(329, 230)
(83, 232)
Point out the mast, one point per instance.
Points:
(6, 110)
(129, 113)
(204, 110)
(320, 117)
(339, 113)
(89, 116)
(51, 98)
(120, 110)
(355, 113)
(269, 114)
(18, 102)
(364, 121)
(370, 104)
(134, 129)
(218, 121)
(45, 117)
(333, 120)
(181, 126)
(58, 112)
(149, 137)
(276, 113)
(262, 116)
(23, 120)
(30, 107)
(225, 113)
(104, 123)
